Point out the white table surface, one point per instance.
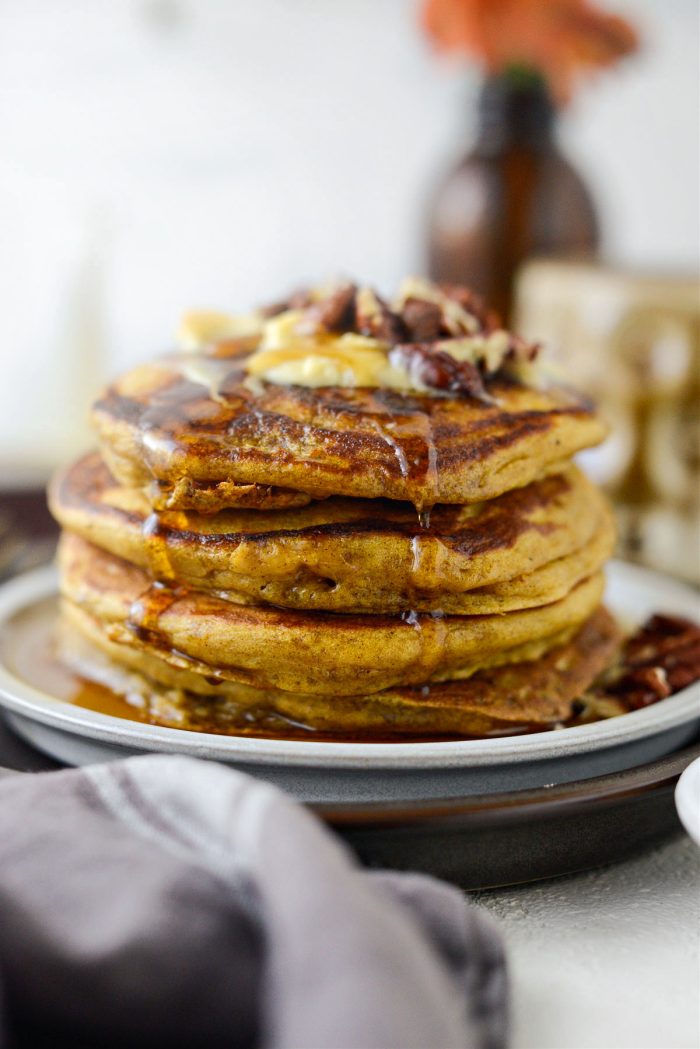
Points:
(607, 959)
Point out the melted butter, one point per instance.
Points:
(346, 361)
(490, 348)
(291, 354)
(352, 361)
(209, 372)
(291, 351)
(200, 328)
(156, 546)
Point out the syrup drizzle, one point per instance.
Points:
(147, 610)
(209, 372)
(178, 418)
(409, 434)
(395, 445)
(426, 559)
(156, 547)
(432, 634)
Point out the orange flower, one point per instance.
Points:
(558, 38)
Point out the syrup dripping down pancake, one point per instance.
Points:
(528, 547)
(200, 420)
(315, 652)
(516, 697)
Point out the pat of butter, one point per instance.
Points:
(491, 349)
(200, 328)
(279, 331)
(346, 360)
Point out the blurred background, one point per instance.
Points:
(159, 155)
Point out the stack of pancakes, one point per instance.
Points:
(276, 534)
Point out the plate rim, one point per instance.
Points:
(23, 699)
(611, 787)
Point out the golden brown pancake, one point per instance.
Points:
(498, 700)
(319, 652)
(208, 498)
(527, 547)
(198, 420)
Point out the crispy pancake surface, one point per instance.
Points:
(186, 494)
(320, 652)
(527, 547)
(191, 420)
(500, 700)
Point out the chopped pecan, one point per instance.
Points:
(472, 303)
(660, 634)
(522, 350)
(644, 686)
(659, 659)
(443, 333)
(437, 370)
(336, 312)
(298, 300)
(374, 318)
(455, 320)
(273, 309)
(423, 320)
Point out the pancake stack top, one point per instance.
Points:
(353, 515)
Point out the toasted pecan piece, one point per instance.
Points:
(661, 658)
(437, 370)
(374, 318)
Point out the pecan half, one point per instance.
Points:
(374, 318)
(659, 659)
(298, 300)
(472, 303)
(422, 320)
(334, 313)
(437, 370)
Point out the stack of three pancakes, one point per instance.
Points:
(275, 551)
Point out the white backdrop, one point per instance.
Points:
(158, 154)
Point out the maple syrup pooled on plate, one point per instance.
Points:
(29, 647)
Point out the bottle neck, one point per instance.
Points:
(515, 111)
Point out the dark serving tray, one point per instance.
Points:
(486, 841)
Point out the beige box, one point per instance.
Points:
(633, 342)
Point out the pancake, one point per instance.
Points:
(191, 419)
(319, 653)
(525, 548)
(208, 498)
(501, 700)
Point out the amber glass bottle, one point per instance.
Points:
(511, 197)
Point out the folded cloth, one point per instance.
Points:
(163, 901)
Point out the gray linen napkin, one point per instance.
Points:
(164, 901)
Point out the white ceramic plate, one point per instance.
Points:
(363, 771)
